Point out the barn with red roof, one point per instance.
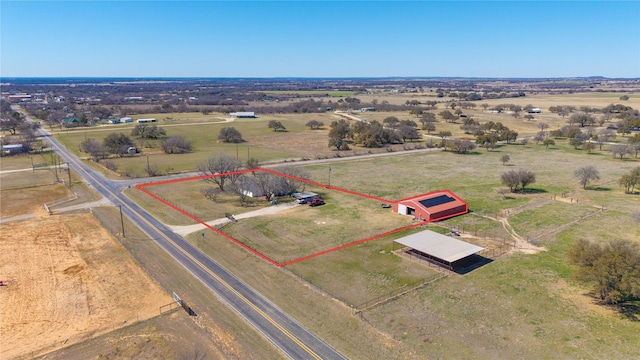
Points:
(434, 206)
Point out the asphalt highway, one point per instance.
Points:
(295, 341)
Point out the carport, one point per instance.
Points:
(442, 250)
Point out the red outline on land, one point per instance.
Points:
(142, 187)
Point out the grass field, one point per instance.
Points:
(533, 303)
(524, 306)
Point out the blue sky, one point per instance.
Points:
(319, 39)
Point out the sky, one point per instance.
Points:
(523, 39)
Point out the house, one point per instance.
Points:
(71, 121)
(365, 109)
(14, 149)
(535, 111)
(243, 114)
(140, 121)
(114, 121)
(250, 186)
(434, 206)
(126, 119)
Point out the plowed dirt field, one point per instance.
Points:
(67, 279)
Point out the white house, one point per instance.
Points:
(126, 119)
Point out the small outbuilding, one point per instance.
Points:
(434, 206)
(14, 149)
(126, 119)
(441, 250)
(243, 114)
(304, 195)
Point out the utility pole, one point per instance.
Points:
(148, 173)
(329, 176)
(122, 221)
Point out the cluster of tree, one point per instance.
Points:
(230, 135)
(374, 134)
(459, 146)
(176, 144)
(314, 124)
(20, 130)
(489, 133)
(225, 173)
(515, 178)
(146, 131)
(628, 118)
(613, 268)
(276, 125)
(630, 181)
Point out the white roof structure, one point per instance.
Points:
(440, 246)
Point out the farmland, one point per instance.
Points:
(521, 304)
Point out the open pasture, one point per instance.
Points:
(534, 307)
(295, 233)
(304, 230)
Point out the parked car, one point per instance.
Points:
(303, 200)
(316, 201)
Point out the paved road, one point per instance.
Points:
(295, 341)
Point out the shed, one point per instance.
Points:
(440, 249)
(14, 148)
(126, 119)
(243, 114)
(434, 206)
(304, 195)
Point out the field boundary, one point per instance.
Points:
(144, 188)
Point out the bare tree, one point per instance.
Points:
(211, 193)
(176, 144)
(223, 166)
(621, 150)
(603, 136)
(586, 174)
(510, 179)
(505, 159)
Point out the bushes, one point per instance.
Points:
(613, 269)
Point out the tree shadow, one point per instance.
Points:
(629, 309)
(599, 188)
(532, 191)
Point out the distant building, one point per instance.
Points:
(140, 121)
(13, 149)
(365, 109)
(71, 121)
(243, 114)
(535, 111)
(126, 119)
(114, 121)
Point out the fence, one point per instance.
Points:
(395, 294)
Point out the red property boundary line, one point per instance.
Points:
(143, 188)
